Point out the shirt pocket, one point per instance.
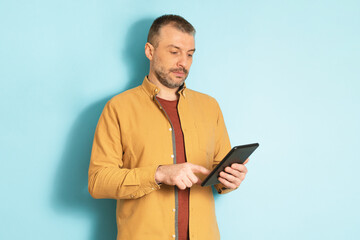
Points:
(206, 139)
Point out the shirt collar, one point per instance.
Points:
(152, 90)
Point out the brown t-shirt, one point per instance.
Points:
(170, 108)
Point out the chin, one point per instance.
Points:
(179, 83)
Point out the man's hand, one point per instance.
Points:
(182, 175)
(232, 176)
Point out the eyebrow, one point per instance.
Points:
(171, 45)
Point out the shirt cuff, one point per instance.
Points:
(147, 178)
(221, 189)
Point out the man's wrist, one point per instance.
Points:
(158, 175)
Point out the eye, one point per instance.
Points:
(172, 52)
(190, 55)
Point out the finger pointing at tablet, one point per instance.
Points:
(182, 175)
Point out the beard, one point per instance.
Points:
(165, 79)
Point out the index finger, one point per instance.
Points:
(200, 169)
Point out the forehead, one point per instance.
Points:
(170, 35)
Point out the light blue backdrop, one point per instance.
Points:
(286, 74)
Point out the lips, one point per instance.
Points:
(179, 72)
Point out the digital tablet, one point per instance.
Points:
(237, 154)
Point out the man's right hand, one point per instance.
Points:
(182, 175)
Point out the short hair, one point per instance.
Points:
(177, 21)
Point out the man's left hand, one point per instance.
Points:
(232, 176)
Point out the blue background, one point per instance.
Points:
(286, 74)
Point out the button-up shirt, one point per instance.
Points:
(133, 137)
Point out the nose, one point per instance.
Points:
(184, 61)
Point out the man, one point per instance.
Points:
(154, 143)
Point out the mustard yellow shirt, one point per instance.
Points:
(133, 137)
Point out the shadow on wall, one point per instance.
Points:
(71, 196)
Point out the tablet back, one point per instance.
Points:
(237, 154)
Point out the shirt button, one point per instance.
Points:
(172, 156)
(174, 210)
(170, 129)
(174, 236)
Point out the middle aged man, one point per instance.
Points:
(153, 143)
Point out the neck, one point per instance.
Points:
(164, 92)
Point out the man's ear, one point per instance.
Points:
(149, 50)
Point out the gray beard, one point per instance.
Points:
(162, 77)
(166, 82)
